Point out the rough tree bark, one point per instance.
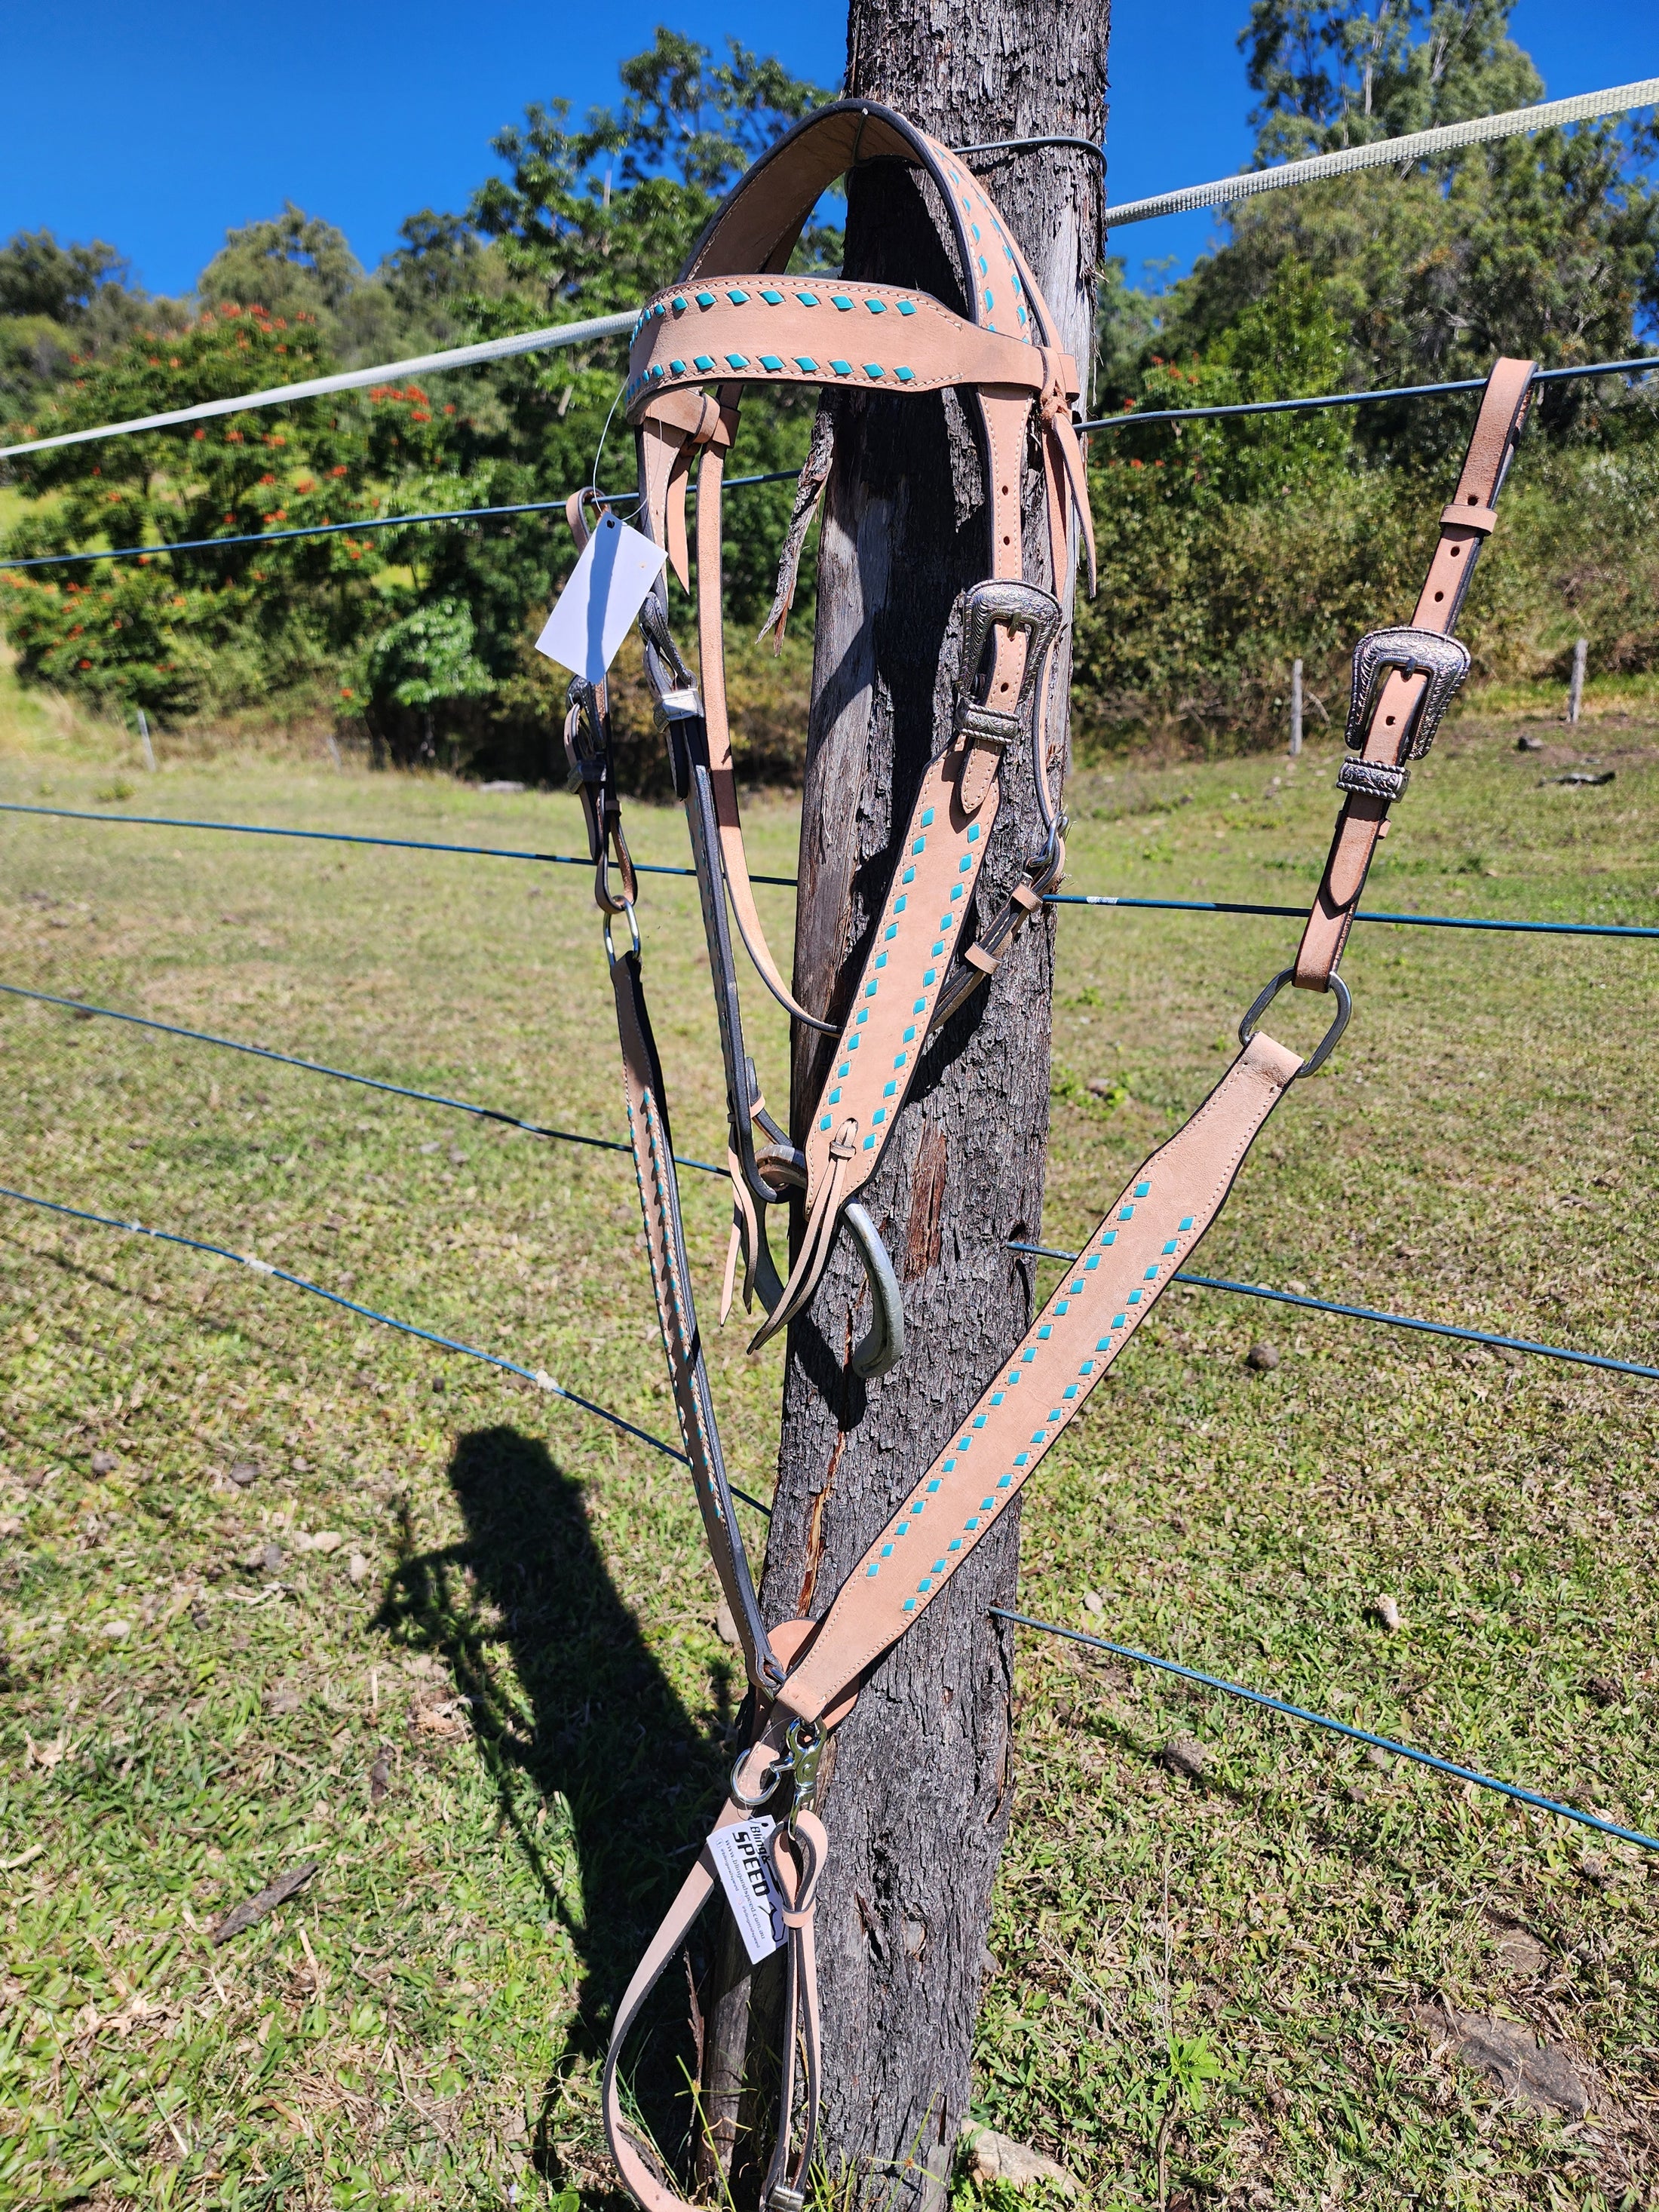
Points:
(917, 1798)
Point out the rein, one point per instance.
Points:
(723, 323)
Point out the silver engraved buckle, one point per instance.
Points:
(1443, 660)
(1010, 606)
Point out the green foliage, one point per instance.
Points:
(1332, 74)
(39, 277)
(255, 617)
(427, 657)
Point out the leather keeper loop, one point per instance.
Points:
(1483, 519)
(1373, 779)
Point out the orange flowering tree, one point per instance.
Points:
(253, 610)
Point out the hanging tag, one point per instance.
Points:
(745, 1866)
(608, 586)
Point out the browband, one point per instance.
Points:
(722, 324)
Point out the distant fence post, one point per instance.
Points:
(1575, 688)
(143, 739)
(1295, 707)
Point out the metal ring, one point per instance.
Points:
(1328, 1044)
(626, 907)
(773, 1773)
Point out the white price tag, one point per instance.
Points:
(745, 1866)
(607, 588)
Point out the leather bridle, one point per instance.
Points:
(758, 326)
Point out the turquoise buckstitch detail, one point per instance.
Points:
(939, 950)
(834, 1096)
(1185, 1225)
(907, 306)
(824, 1122)
(877, 306)
(909, 876)
(705, 299)
(1064, 1306)
(1070, 1391)
(1111, 1237)
(771, 361)
(804, 362)
(879, 1116)
(909, 1605)
(842, 368)
(1133, 1299)
(927, 980)
(955, 1544)
(680, 303)
(1143, 1190)
(920, 1008)
(932, 1486)
(872, 368)
(737, 360)
(899, 1059)
(772, 299)
(1006, 1483)
(1118, 1320)
(890, 932)
(1045, 1332)
(881, 959)
(807, 299)
(973, 833)
(872, 1570)
(1150, 1275)
(840, 300)
(869, 1144)
(899, 905)
(947, 1465)
(1168, 1248)
(891, 1091)
(705, 361)
(910, 1036)
(905, 375)
(678, 367)
(928, 818)
(738, 299)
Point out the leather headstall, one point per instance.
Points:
(734, 318)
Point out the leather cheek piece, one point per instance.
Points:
(1130, 1261)
(1465, 523)
(916, 937)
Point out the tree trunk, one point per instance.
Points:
(917, 1796)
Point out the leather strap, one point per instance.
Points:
(1129, 1261)
(1392, 731)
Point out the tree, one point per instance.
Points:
(1545, 244)
(918, 1796)
(249, 621)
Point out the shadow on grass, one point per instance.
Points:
(596, 1765)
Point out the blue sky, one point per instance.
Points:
(159, 128)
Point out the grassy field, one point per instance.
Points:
(281, 1587)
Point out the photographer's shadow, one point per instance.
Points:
(596, 1765)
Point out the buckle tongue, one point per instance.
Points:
(1443, 660)
(1007, 605)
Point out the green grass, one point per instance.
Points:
(1233, 1970)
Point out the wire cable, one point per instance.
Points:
(538, 1376)
(1371, 1313)
(1409, 920)
(352, 380)
(789, 883)
(1337, 1728)
(1638, 367)
(788, 475)
(353, 837)
(86, 1010)
(1390, 153)
(276, 537)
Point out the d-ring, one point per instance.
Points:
(633, 931)
(1327, 1045)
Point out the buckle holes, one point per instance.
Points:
(1439, 595)
(1389, 719)
(1456, 550)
